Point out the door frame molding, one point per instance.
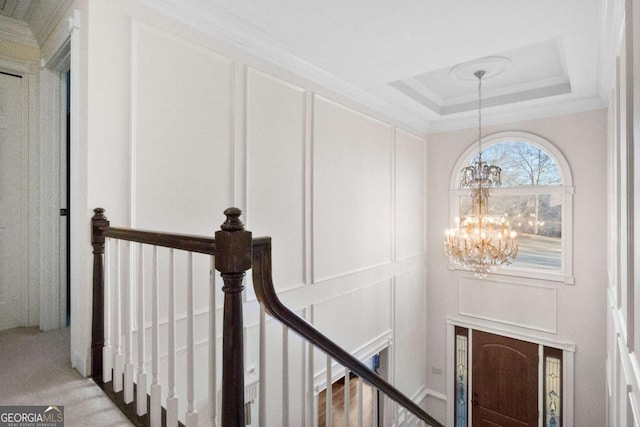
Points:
(30, 245)
(58, 56)
(51, 86)
(568, 362)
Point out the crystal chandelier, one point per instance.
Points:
(480, 243)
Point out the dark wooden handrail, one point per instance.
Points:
(185, 242)
(235, 252)
(232, 248)
(266, 294)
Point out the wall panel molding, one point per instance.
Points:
(509, 302)
(410, 157)
(623, 341)
(409, 294)
(276, 169)
(363, 332)
(352, 178)
(199, 145)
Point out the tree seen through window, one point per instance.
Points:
(529, 199)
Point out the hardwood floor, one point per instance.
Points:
(338, 399)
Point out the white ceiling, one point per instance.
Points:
(530, 72)
(559, 53)
(14, 8)
(30, 21)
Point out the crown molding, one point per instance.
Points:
(231, 29)
(16, 31)
(514, 113)
(43, 29)
(219, 23)
(508, 91)
(610, 32)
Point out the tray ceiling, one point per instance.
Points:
(560, 53)
(397, 57)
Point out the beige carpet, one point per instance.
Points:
(35, 370)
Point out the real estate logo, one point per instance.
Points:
(32, 416)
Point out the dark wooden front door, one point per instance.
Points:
(505, 381)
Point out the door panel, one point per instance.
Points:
(505, 381)
(11, 209)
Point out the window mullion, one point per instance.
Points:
(540, 214)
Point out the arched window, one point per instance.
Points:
(536, 198)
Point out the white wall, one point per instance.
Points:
(580, 308)
(623, 314)
(180, 126)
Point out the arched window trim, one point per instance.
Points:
(566, 189)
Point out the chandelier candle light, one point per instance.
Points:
(481, 243)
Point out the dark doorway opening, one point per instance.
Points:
(67, 186)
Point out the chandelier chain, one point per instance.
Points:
(481, 242)
(480, 74)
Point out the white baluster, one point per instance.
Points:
(128, 332)
(262, 410)
(117, 314)
(303, 386)
(360, 402)
(213, 387)
(347, 386)
(192, 413)
(172, 398)
(141, 398)
(312, 419)
(285, 376)
(156, 390)
(107, 350)
(374, 393)
(329, 395)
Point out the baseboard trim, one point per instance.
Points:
(435, 395)
(80, 364)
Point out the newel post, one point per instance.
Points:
(232, 259)
(98, 223)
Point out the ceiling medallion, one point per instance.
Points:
(491, 65)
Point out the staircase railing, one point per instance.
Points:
(233, 251)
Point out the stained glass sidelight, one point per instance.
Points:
(552, 387)
(461, 384)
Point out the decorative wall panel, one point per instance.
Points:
(181, 133)
(353, 319)
(276, 170)
(410, 331)
(202, 125)
(624, 217)
(527, 305)
(410, 192)
(352, 191)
